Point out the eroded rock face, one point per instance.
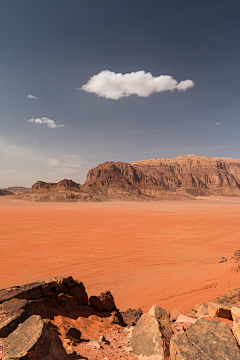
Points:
(196, 175)
(64, 184)
(147, 340)
(35, 339)
(181, 348)
(104, 301)
(212, 340)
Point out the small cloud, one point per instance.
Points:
(44, 120)
(53, 162)
(31, 97)
(217, 123)
(114, 86)
(67, 163)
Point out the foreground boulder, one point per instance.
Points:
(35, 339)
(163, 318)
(212, 340)
(147, 340)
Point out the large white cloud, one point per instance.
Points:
(45, 120)
(115, 86)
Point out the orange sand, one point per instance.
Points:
(164, 252)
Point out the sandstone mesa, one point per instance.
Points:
(179, 178)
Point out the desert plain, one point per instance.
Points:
(145, 252)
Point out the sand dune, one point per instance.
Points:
(164, 252)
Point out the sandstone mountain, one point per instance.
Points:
(182, 177)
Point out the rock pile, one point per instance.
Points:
(203, 336)
(47, 321)
(26, 314)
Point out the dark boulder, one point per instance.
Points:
(73, 334)
(104, 301)
(131, 316)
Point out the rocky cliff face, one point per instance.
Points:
(182, 177)
(191, 174)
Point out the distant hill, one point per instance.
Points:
(5, 192)
(16, 189)
(178, 178)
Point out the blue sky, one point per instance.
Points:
(49, 49)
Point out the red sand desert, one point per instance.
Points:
(164, 252)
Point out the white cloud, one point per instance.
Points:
(66, 161)
(53, 162)
(31, 97)
(115, 86)
(66, 166)
(217, 123)
(45, 120)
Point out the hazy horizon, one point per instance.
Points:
(85, 83)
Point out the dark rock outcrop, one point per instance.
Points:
(104, 301)
(5, 192)
(237, 255)
(131, 316)
(51, 287)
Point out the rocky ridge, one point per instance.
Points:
(5, 192)
(16, 189)
(183, 177)
(54, 319)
